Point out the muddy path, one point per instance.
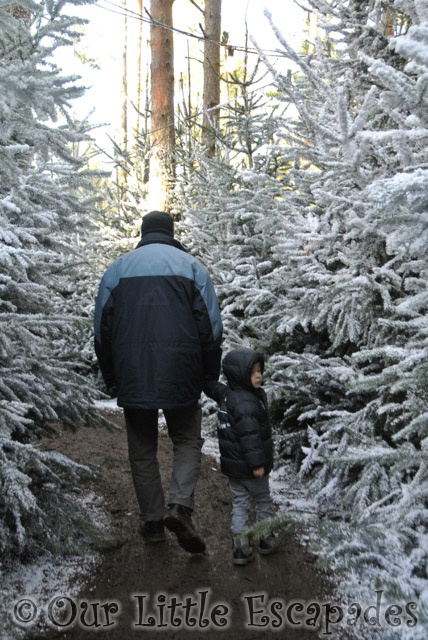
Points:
(146, 582)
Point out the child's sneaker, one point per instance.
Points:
(269, 544)
(242, 552)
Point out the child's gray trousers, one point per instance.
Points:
(184, 429)
(243, 491)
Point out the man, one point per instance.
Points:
(158, 336)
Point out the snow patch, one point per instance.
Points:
(39, 583)
(107, 405)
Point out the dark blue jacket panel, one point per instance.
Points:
(244, 430)
(157, 327)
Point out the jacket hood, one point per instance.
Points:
(237, 366)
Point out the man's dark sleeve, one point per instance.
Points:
(208, 321)
(103, 321)
(215, 390)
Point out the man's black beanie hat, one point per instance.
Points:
(157, 222)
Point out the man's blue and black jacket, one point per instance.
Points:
(157, 325)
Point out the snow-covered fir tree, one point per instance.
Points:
(352, 296)
(114, 228)
(43, 209)
(231, 205)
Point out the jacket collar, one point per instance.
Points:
(160, 238)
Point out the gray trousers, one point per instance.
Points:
(243, 491)
(184, 429)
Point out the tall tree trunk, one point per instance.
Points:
(139, 55)
(190, 124)
(162, 112)
(123, 172)
(137, 133)
(146, 126)
(211, 95)
(389, 21)
(312, 32)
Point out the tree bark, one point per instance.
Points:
(162, 112)
(211, 92)
(123, 174)
(139, 55)
(389, 22)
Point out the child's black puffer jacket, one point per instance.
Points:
(244, 431)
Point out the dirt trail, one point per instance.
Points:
(135, 574)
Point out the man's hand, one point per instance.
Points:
(112, 392)
(259, 472)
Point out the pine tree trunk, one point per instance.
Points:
(139, 54)
(123, 173)
(211, 95)
(146, 126)
(190, 121)
(312, 32)
(162, 112)
(137, 132)
(389, 22)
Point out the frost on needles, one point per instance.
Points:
(319, 251)
(43, 208)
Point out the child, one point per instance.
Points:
(246, 447)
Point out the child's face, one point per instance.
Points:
(256, 375)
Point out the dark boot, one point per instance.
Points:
(179, 521)
(153, 531)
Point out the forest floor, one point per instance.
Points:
(133, 575)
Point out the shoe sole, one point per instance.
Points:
(242, 561)
(153, 540)
(186, 538)
(267, 552)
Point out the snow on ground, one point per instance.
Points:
(30, 589)
(27, 592)
(107, 405)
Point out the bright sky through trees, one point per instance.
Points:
(102, 47)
